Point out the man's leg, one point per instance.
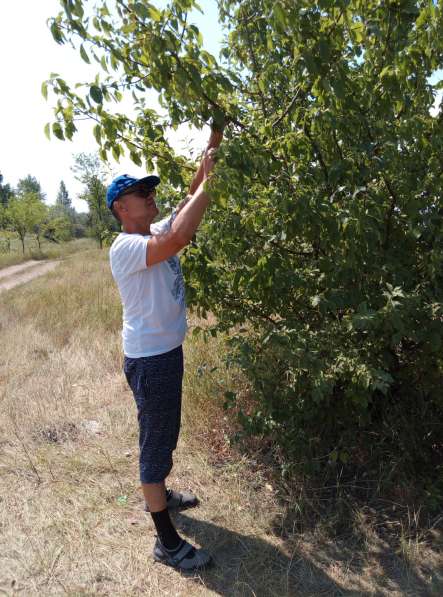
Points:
(155, 495)
(156, 385)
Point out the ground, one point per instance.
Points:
(12, 276)
(70, 505)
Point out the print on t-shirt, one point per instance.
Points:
(178, 289)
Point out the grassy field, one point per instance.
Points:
(49, 250)
(70, 506)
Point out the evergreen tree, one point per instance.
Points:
(63, 198)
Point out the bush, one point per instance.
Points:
(324, 240)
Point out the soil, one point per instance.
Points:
(24, 272)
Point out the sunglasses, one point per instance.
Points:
(141, 191)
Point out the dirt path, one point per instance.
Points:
(19, 274)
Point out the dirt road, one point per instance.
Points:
(19, 274)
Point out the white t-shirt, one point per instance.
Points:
(153, 298)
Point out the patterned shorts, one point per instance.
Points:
(156, 383)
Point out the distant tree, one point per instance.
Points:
(3, 219)
(57, 228)
(38, 219)
(63, 198)
(26, 214)
(6, 192)
(89, 170)
(64, 213)
(30, 184)
(80, 224)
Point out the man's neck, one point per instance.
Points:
(136, 228)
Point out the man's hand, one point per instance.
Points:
(216, 136)
(208, 162)
(214, 142)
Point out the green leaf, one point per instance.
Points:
(58, 131)
(96, 94)
(45, 90)
(279, 14)
(56, 33)
(154, 14)
(84, 55)
(387, 71)
(97, 133)
(104, 63)
(135, 157)
(48, 130)
(116, 151)
(358, 31)
(146, 11)
(141, 10)
(197, 34)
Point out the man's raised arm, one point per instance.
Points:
(214, 142)
(184, 226)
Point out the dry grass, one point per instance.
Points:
(70, 506)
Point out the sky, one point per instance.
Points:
(29, 54)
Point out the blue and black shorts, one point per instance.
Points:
(156, 383)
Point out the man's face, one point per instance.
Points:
(138, 205)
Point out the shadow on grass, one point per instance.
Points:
(248, 565)
(382, 552)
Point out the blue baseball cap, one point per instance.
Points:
(123, 182)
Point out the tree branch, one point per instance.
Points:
(287, 110)
(319, 156)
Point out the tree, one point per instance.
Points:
(63, 199)
(58, 227)
(64, 213)
(325, 235)
(39, 215)
(90, 171)
(26, 214)
(31, 211)
(80, 224)
(6, 192)
(30, 184)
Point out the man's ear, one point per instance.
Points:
(120, 205)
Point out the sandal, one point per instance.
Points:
(187, 558)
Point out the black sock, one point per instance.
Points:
(165, 529)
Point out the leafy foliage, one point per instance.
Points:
(324, 240)
(29, 184)
(26, 214)
(89, 171)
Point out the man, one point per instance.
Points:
(146, 268)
